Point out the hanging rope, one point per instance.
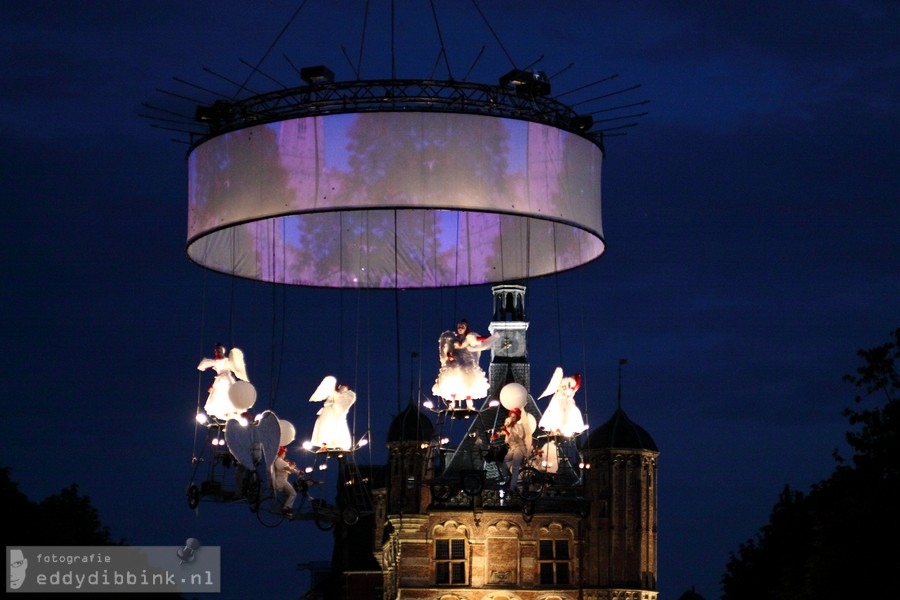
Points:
(362, 40)
(556, 293)
(231, 308)
(200, 373)
(255, 69)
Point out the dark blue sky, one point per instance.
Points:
(752, 222)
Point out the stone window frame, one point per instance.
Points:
(448, 533)
(556, 533)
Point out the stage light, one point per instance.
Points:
(316, 75)
(202, 418)
(527, 83)
(582, 122)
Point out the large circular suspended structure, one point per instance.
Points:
(395, 184)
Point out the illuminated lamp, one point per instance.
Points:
(527, 83)
(204, 114)
(487, 190)
(582, 122)
(213, 115)
(515, 77)
(316, 75)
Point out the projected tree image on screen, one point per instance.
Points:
(394, 199)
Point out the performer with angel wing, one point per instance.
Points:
(331, 430)
(219, 404)
(562, 415)
(460, 377)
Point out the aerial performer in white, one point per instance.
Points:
(280, 471)
(460, 377)
(219, 404)
(331, 431)
(518, 438)
(562, 416)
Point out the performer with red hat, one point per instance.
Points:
(519, 442)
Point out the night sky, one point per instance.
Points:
(751, 221)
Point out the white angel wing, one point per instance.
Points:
(239, 439)
(554, 382)
(445, 344)
(325, 389)
(238, 367)
(268, 435)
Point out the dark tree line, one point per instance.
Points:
(838, 540)
(63, 519)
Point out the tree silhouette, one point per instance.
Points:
(833, 542)
(63, 519)
(690, 594)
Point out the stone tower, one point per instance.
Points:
(620, 550)
(588, 534)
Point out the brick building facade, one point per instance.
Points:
(444, 527)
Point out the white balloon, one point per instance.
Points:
(513, 395)
(287, 432)
(529, 422)
(242, 395)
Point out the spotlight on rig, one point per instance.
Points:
(582, 122)
(316, 75)
(527, 83)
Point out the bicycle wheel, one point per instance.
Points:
(531, 483)
(323, 521)
(269, 512)
(472, 483)
(350, 516)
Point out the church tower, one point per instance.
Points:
(586, 534)
(509, 355)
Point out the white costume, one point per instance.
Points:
(519, 440)
(219, 404)
(281, 469)
(562, 414)
(331, 430)
(460, 377)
